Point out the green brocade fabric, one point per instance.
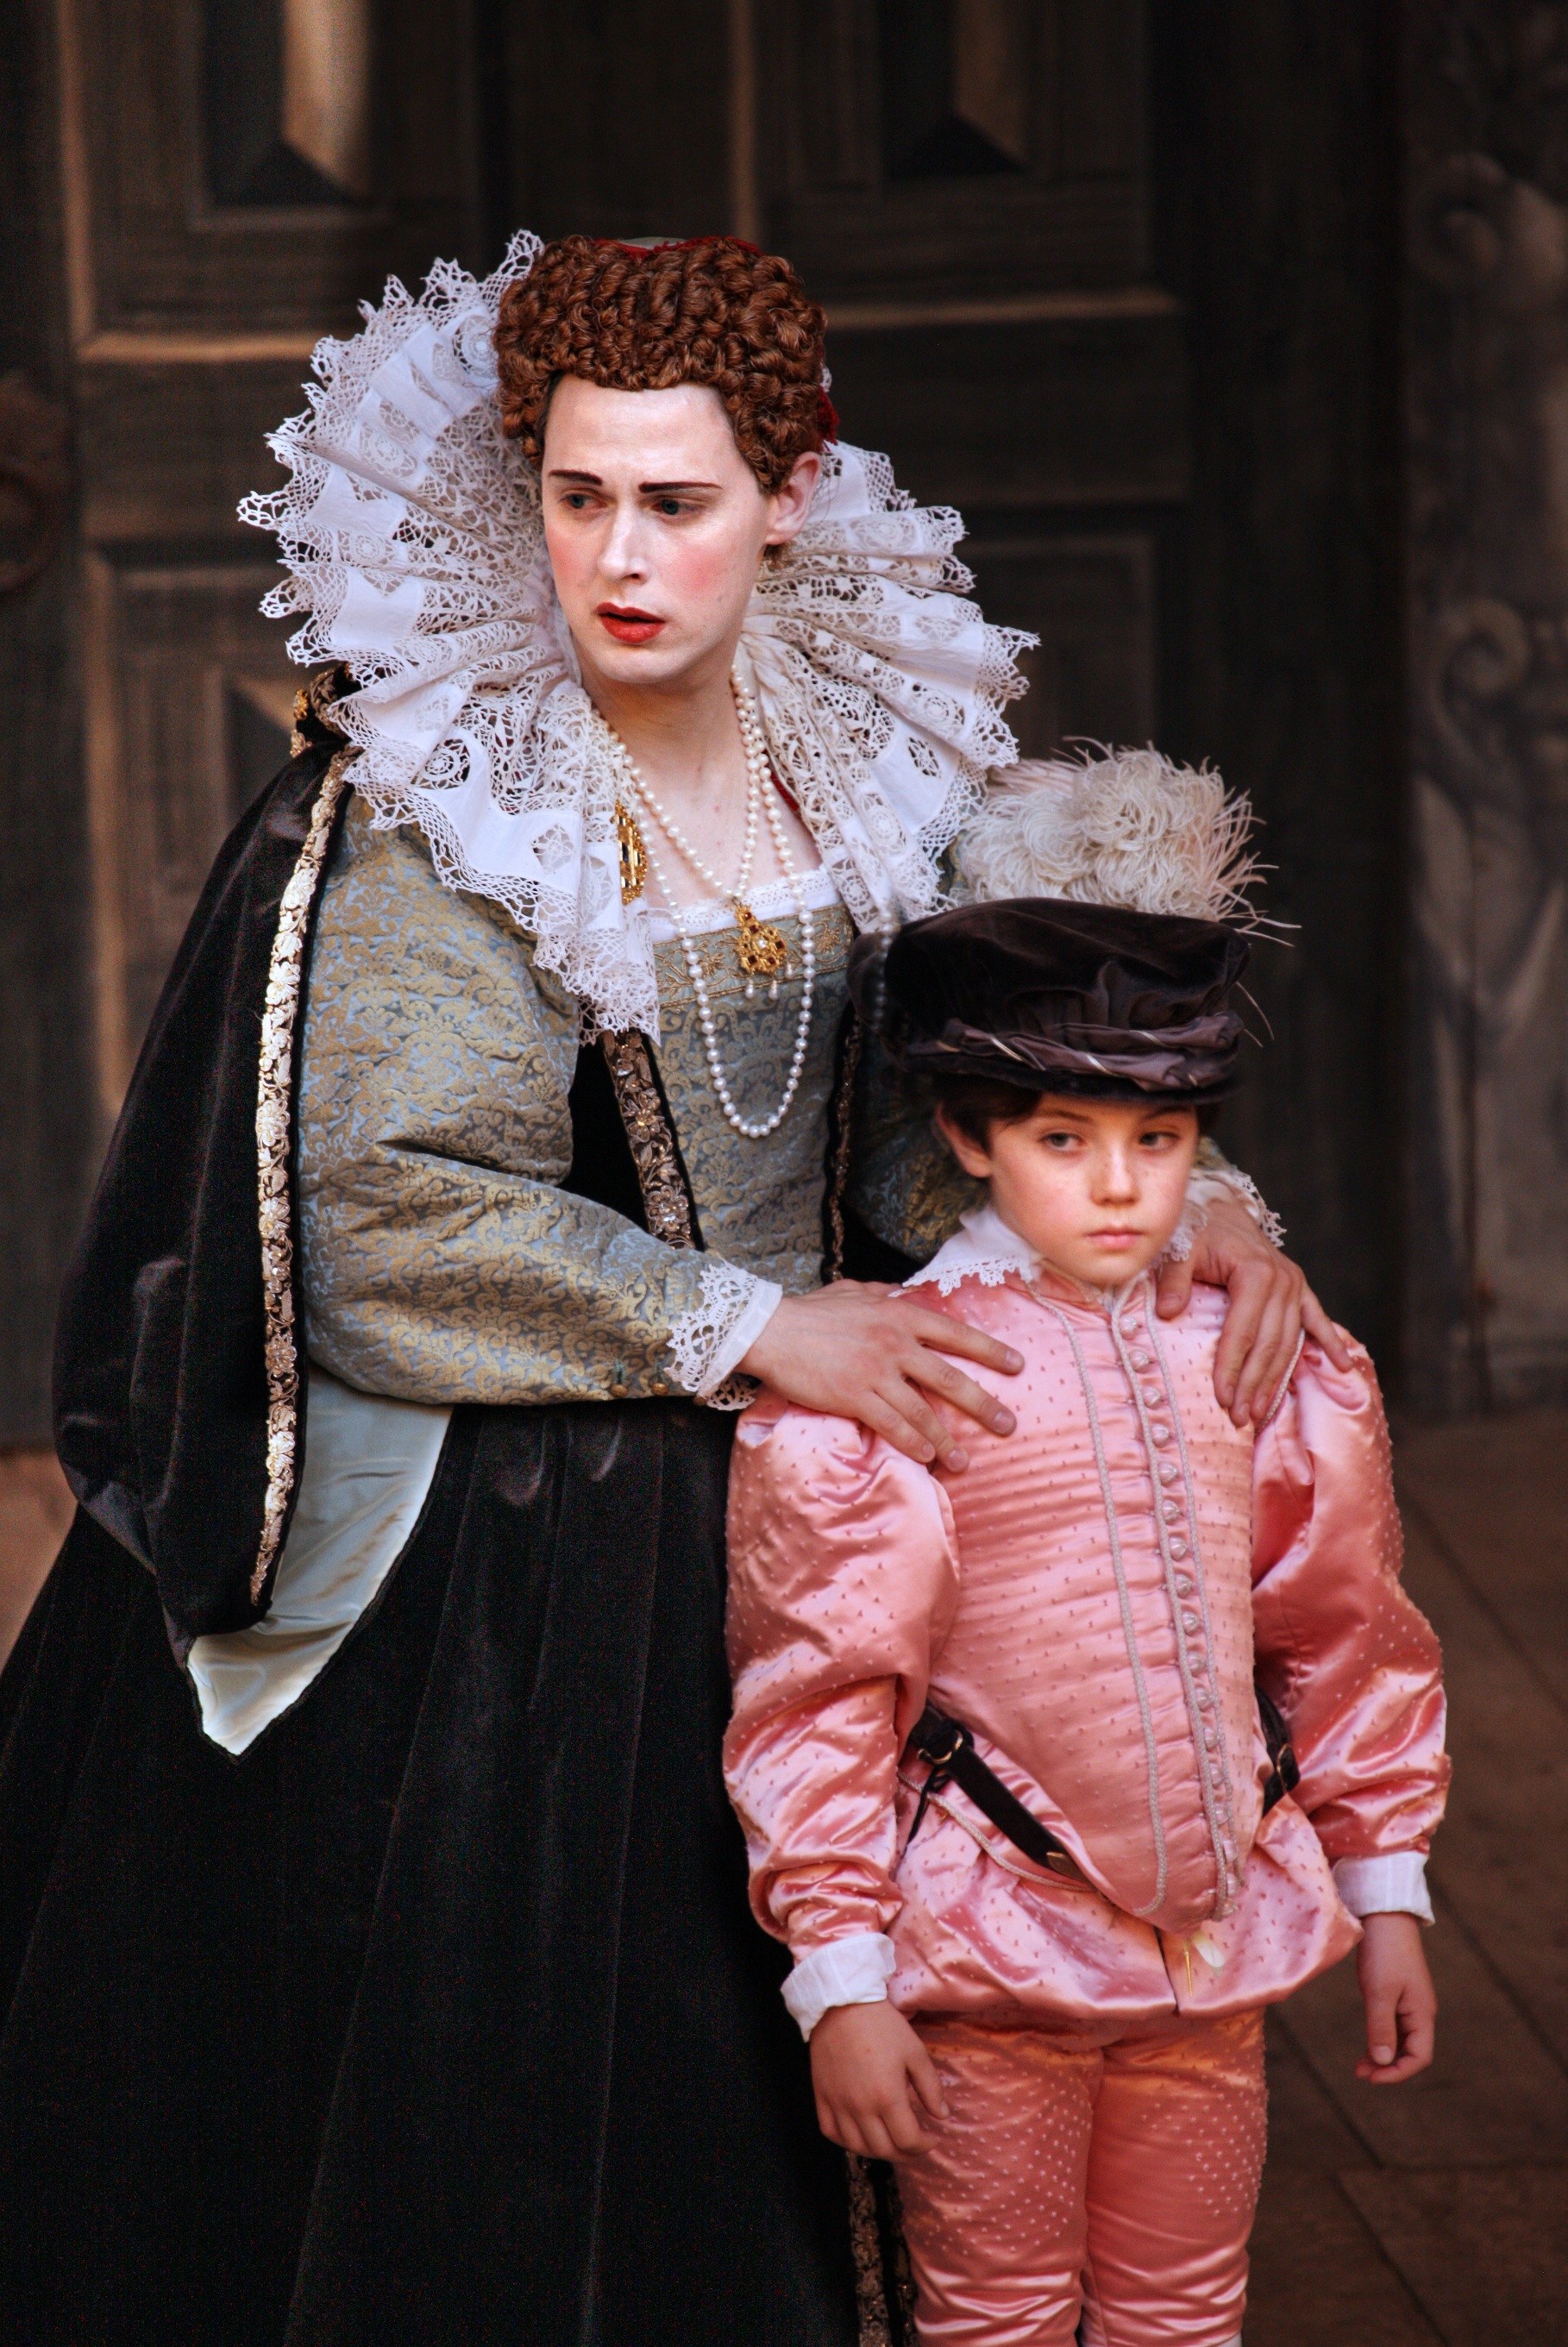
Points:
(442, 1263)
(758, 1202)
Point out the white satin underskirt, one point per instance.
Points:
(369, 1466)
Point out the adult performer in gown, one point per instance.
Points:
(375, 1954)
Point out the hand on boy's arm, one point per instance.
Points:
(1400, 2001)
(872, 2076)
(1270, 1304)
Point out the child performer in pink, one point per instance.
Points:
(1009, 1745)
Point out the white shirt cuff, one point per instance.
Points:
(765, 1298)
(1394, 1884)
(852, 1971)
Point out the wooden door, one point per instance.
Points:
(1107, 274)
(1115, 278)
(203, 189)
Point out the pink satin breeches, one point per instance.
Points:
(1109, 2178)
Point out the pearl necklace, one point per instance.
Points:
(760, 947)
(762, 950)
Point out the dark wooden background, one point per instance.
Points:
(1227, 326)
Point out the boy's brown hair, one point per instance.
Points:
(976, 1105)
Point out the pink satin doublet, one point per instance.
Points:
(1092, 1596)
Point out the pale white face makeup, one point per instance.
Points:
(656, 527)
(1096, 1187)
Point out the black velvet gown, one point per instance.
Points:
(440, 2016)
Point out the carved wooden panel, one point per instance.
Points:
(619, 116)
(1071, 412)
(247, 173)
(167, 451)
(959, 148)
(1281, 649)
(151, 251)
(1488, 504)
(1091, 601)
(49, 1135)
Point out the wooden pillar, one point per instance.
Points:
(48, 1129)
(1279, 125)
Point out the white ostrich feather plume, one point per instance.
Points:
(1126, 827)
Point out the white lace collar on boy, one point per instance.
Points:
(983, 1247)
(411, 530)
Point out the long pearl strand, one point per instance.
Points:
(736, 888)
(754, 746)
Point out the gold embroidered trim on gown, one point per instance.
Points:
(665, 1198)
(275, 1141)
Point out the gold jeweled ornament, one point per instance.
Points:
(760, 947)
(633, 855)
(762, 950)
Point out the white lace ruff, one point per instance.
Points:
(411, 530)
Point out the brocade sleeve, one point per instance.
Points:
(442, 1261)
(905, 1184)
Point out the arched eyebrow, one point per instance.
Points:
(644, 489)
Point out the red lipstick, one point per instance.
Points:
(627, 624)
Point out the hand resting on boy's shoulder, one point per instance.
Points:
(1270, 1307)
(847, 1351)
(842, 1351)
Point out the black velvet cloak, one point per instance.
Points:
(439, 2017)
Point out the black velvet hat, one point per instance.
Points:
(1056, 996)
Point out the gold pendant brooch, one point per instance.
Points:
(633, 855)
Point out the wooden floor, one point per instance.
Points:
(1437, 2212)
(1432, 2215)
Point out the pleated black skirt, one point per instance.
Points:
(440, 2016)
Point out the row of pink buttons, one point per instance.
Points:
(1175, 1506)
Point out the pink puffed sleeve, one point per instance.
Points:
(842, 1578)
(1350, 1661)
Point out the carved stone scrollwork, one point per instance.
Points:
(1487, 418)
(34, 481)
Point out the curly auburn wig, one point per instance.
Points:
(713, 311)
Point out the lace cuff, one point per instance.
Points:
(1393, 1885)
(1216, 1179)
(852, 1971)
(1194, 1214)
(719, 1330)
